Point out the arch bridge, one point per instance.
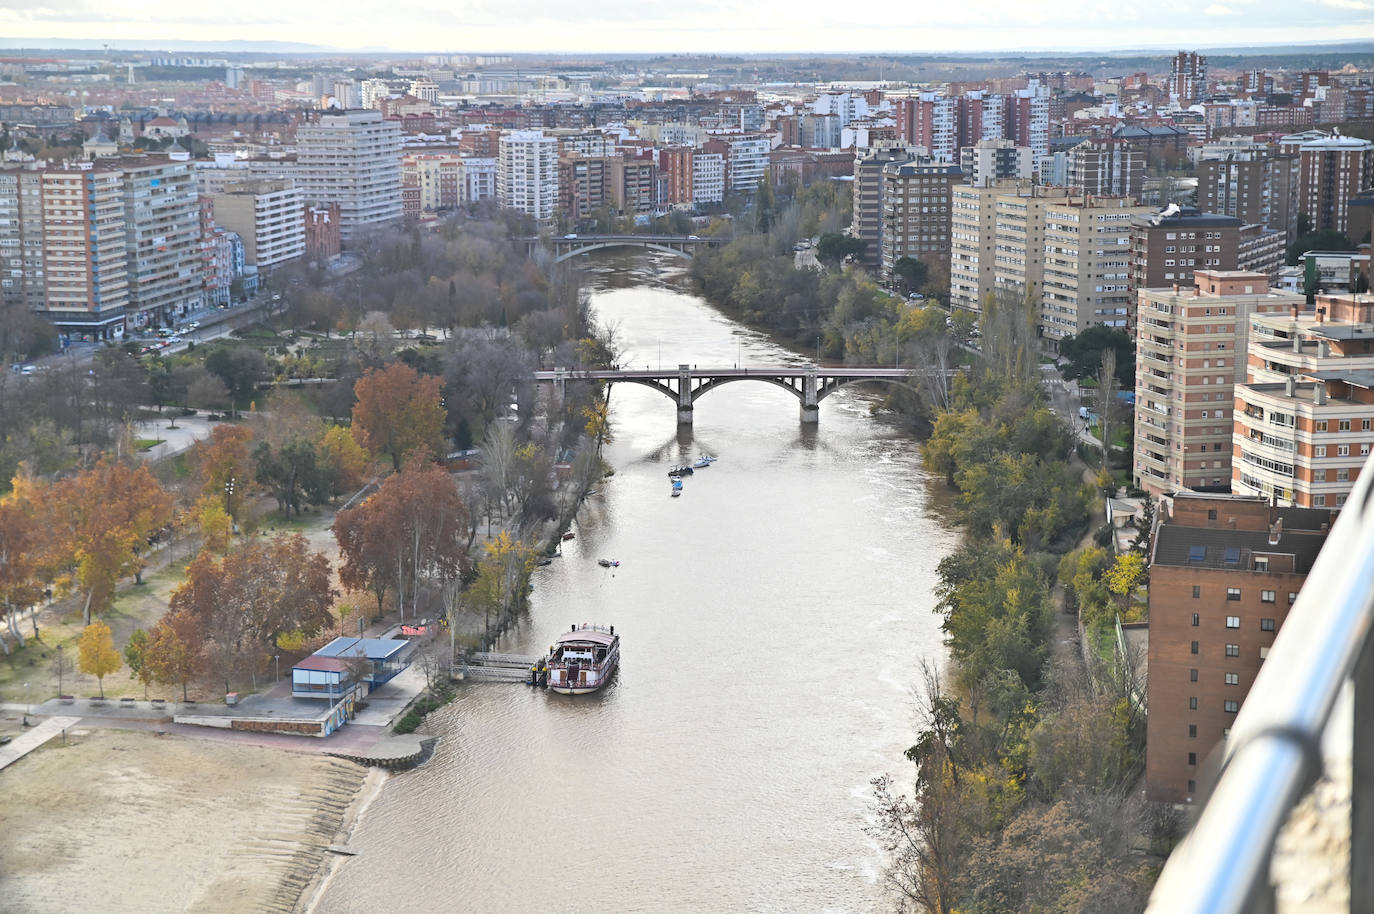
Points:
(566, 247)
(686, 384)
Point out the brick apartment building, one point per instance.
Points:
(1224, 571)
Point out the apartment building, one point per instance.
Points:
(527, 173)
(84, 245)
(1190, 353)
(916, 212)
(477, 179)
(989, 161)
(675, 172)
(162, 238)
(1224, 571)
(584, 185)
(352, 158)
(21, 236)
(971, 228)
(1107, 167)
(438, 178)
(1303, 419)
(1254, 182)
(270, 218)
(1331, 171)
(1169, 246)
(1019, 240)
(868, 196)
(1188, 78)
(746, 162)
(708, 178)
(1087, 258)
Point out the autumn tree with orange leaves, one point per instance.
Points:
(224, 465)
(103, 519)
(242, 603)
(20, 536)
(175, 652)
(398, 411)
(413, 529)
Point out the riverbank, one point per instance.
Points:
(118, 820)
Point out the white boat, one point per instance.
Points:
(702, 462)
(581, 660)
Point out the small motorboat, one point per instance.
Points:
(677, 483)
(677, 491)
(680, 471)
(702, 462)
(544, 561)
(608, 563)
(567, 536)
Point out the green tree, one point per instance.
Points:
(135, 658)
(834, 247)
(1081, 355)
(240, 368)
(910, 273)
(97, 655)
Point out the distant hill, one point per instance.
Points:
(228, 47)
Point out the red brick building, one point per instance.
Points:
(1224, 571)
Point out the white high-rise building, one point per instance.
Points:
(352, 158)
(477, 179)
(708, 177)
(748, 162)
(269, 217)
(527, 173)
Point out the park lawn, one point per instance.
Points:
(144, 444)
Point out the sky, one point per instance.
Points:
(696, 26)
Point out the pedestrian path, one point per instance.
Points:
(25, 743)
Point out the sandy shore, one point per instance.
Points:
(117, 821)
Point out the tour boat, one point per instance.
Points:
(608, 563)
(680, 471)
(581, 660)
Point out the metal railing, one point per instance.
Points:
(1274, 753)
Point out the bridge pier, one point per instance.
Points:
(811, 404)
(684, 395)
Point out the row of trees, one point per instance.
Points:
(1023, 766)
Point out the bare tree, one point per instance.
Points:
(1106, 402)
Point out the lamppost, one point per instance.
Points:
(229, 498)
(276, 658)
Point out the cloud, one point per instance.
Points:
(1348, 4)
(1217, 9)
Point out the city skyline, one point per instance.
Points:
(697, 26)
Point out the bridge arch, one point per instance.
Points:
(604, 245)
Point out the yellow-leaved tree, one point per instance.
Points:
(98, 656)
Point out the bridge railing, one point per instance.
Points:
(1274, 752)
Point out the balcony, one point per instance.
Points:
(1305, 720)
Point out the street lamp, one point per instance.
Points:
(276, 658)
(229, 497)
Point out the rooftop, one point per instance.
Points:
(1226, 549)
(372, 648)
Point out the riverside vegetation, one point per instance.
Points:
(1023, 765)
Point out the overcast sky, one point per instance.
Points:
(699, 25)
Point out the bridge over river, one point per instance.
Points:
(686, 384)
(566, 247)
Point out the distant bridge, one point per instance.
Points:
(567, 247)
(686, 384)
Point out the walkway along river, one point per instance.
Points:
(772, 618)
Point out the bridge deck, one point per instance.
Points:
(767, 371)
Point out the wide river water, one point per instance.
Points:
(772, 619)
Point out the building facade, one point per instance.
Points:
(1190, 354)
(85, 265)
(1224, 571)
(527, 173)
(352, 158)
(1087, 258)
(916, 212)
(270, 218)
(162, 239)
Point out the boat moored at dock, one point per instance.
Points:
(582, 659)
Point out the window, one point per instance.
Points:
(1232, 594)
(1319, 501)
(1364, 425)
(1192, 786)
(1197, 553)
(1343, 425)
(1267, 625)
(1321, 425)
(1292, 598)
(1193, 648)
(1233, 679)
(1233, 621)
(1342, 450)
(1192, 731)
(1197, 592)
(1266, 596)
(1192, 703)
(1264, 653)
(1192, 758)
(1319, 475)
(1232, 555)
(1211, 513)
(1231, 706)
(1233, 650)
(1197, 617)
(1192, 675)
(1319, 451)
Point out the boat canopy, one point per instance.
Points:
(587, 635)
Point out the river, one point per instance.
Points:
(772, 622)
